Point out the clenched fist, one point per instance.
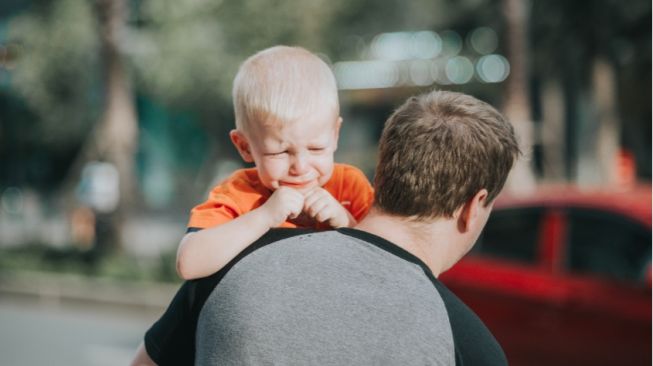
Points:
(285, 203)
(323, 207)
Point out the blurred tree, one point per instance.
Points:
(116, 134)
(593, 60)
(54, 71)
(517, 106)
(71, 73)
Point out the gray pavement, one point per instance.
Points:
(68, 320)
(54, 319)
(58, 334)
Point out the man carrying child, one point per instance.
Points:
(366, 295)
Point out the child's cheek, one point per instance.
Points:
(277, 170)
(325, 169)
(273, 170)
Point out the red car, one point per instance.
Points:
(563, 277)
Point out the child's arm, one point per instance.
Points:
(323, 207)
(205, 252)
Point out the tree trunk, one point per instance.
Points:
(552, 132)
(516, 105)
(599, 140)
(117, 133)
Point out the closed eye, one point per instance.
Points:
(280, 153)
(316, 149)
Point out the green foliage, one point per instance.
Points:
(56, 72)
(187, 52)
(71, 260)
(177, 52)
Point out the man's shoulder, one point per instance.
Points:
(329, 288)
(333, 258)
(350, 249)
(278, 234)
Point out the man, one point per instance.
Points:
(367, 295)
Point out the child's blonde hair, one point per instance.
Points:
(282, 84)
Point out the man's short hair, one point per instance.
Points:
(284, 84)
(437, 151)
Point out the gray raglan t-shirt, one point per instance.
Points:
(324, 299)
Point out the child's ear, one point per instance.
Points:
(336, 130)
(242, 145)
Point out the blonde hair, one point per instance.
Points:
(437, 151)
(282, 84)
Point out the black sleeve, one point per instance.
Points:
(171, 339)
(174, 327)
(474, 343)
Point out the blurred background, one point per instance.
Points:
(114, 121)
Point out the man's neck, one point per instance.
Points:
(425, 241)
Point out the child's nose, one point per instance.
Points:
(299, 164)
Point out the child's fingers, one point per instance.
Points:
(322, 214)
(288, 201)
(310, 201)
(314, 208)
(315, 195)
(296, 206)
(331, 215)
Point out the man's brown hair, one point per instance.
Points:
(437, 151)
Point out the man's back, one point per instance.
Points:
(325, 298)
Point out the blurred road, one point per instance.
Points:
(42, 333)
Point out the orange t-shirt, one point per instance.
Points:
(243, 192)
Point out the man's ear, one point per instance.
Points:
(242, 145)
(469, 213)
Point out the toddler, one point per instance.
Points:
(287, 124)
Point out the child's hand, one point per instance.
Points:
(283, 204)
(323, 207)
